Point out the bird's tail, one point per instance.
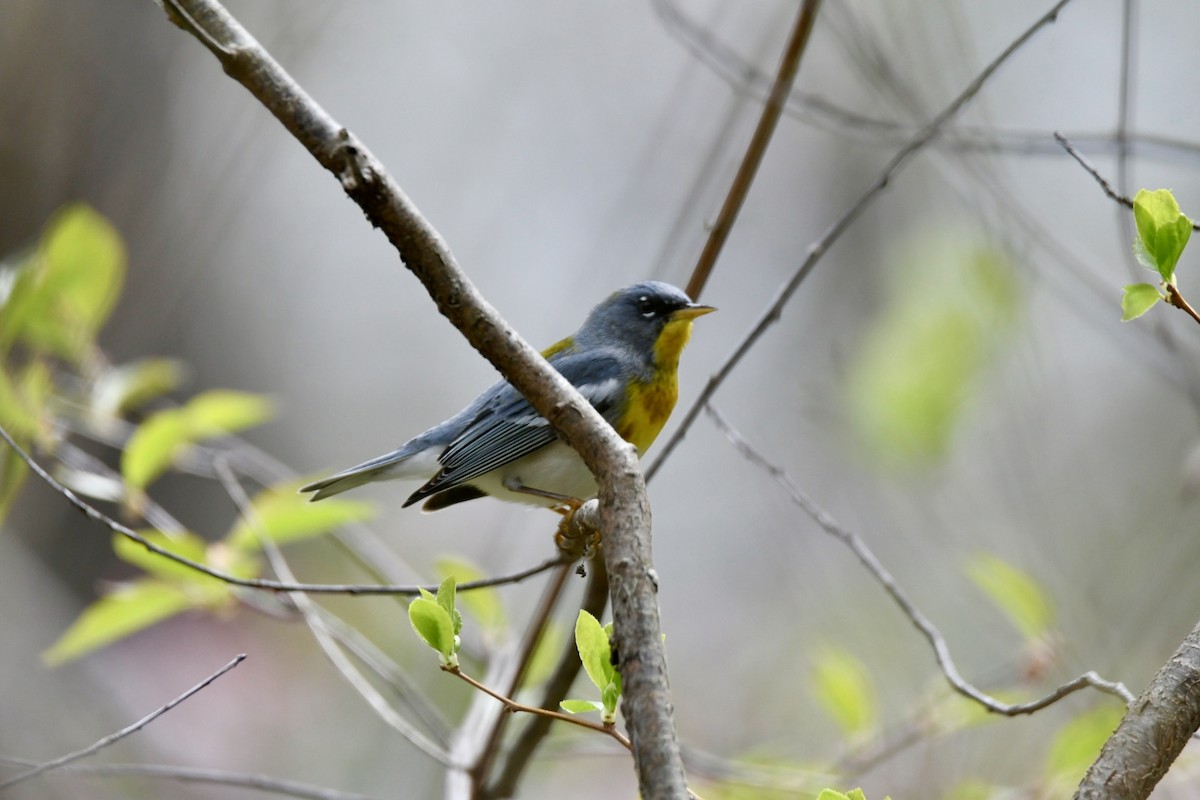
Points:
(396, 464)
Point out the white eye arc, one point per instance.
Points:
(645, 307)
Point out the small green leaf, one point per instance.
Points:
(843, 687)
(153, 447)
(1014, 592)
(482, 604)
(187, 545)
(1079, 741)
(163, 437)
(13, 472)
(1163, 230)
(830, 794)
(609, 697)
(127, 387)
(1138, 299)
(445, 599)
(284, 516)
(218, 412)
(580, 706)
(70, 286)
(435, 627)
(129, 609)
(594, 649)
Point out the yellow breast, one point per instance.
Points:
(650, 402)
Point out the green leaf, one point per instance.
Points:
(830, 794)
(856, 794)
(1138, 299)
(1163, 231)
(129, 609)
(13, 472)
(154, 446)
(1014, 592)
(1079, 741)
(434, 625)
(580, 706)
(843, 687)
(165, 436)
(482, 604)
(445, 599)
(609, 697)
(127, 387)
(284, 516)
(594, 650)
(23, 401)
(187, 545)
(218, 412)
(71, 285)
(922, 357)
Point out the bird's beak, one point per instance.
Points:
(691, 312)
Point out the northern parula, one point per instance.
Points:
(623, 360)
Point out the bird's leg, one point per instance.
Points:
(563, 504)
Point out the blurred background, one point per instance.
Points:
(952, 382)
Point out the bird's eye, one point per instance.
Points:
(646, 307)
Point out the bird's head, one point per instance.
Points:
(652, 318)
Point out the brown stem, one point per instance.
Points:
(513, 705)
(1176, 299)
(789, 64)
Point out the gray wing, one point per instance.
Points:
(507, 427)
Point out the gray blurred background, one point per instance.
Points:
(564, 150)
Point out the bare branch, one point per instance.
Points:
(785, 76)
(1112, 193)
(321, 632)
(92, 513)
(240, 780)
(113, 738)
(867, 558)
(818, 248)
(624, 509)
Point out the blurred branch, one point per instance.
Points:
(113, 738)
(867, 558)
(333, 651)
(1153, 733)
(92, 513)
(625, 511)
(595, 597)
(785, 76)
(818, 248)
(240, 780)
(624, 508)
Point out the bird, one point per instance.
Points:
(624, 360)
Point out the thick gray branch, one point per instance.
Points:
(625, 513)
(1153, 734)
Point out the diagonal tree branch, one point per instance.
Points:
(113, 738)
(624, 510)
(785, 76)
(834, 232)
(866, 557)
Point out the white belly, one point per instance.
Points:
(554, 468)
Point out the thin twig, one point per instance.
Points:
(533, 634)
(520, 754)
(1112, 193)
(355, 589)
(818, 248)
(513, 705)
(112, 738)
(772, 109)
(337, 657)
(240, 780)
(867, 558)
